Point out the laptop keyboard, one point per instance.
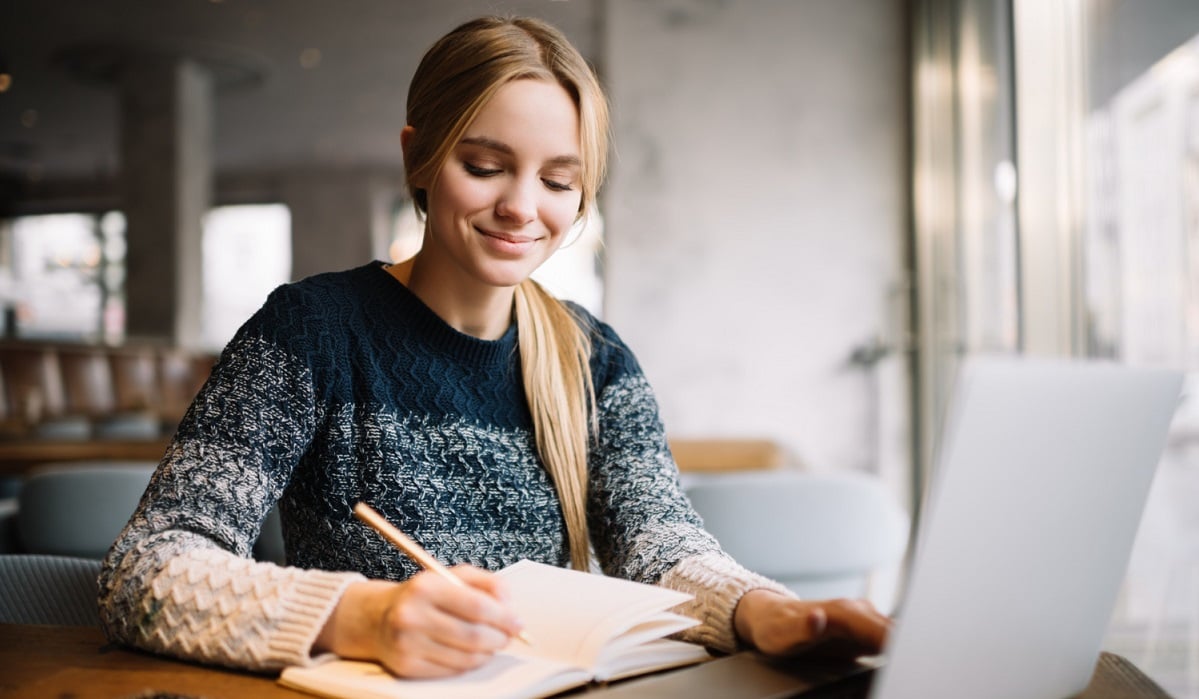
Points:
(856, 686)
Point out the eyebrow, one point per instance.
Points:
(501, 147)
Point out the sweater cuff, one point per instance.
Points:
(305, 611)
(717, 583)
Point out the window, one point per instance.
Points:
(1110, 255)
(1142, 243)
(247, 253)
(62, 276)
(1140, 273)
(1104, 261)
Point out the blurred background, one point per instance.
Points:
(816, 209)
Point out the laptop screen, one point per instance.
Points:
(1044, 471)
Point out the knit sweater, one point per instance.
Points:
(345, 387)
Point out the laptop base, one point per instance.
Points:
(751, 675)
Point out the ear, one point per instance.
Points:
(406, 136)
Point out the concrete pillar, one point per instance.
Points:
(338, 220)
(166, 173)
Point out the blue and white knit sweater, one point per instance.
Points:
(346, 387)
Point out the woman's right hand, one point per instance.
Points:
(424, 627)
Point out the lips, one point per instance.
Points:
(513, 238)
(507, 244)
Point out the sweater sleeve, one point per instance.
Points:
(643, 526)
(178, 579)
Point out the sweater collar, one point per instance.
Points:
(397, 305)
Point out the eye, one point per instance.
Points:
(557, 186)
(479, 171)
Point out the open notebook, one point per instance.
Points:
(583, 628)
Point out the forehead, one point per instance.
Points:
(532, 117)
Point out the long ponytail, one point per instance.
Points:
(554, 355)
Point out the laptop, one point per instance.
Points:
(1043, 473)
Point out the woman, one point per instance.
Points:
(479, 414)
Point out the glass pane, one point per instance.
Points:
(964, 182)
(247, 253)
(112, 234)
(53, 284)
(1140, 259)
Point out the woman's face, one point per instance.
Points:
(511, 189)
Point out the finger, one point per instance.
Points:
(484, 581)
(873, 625)
(456, 660)
(484, 601)
(450, 614)
(857, 620)
(478, 608)
(419, 630)
(467, 637)
(461, 616)
(444, 662)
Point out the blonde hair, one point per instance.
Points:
(456, 77)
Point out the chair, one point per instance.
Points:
(90, 393)
(48, 590)
(269, 546)
(35, 395)
(181, 375)
(78, 509)
(87, 380)
(134, 378)
(33, 383)
(821, 535)
(8, 525)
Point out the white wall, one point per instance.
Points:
(755, 213)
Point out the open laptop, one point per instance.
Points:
(1043, 473)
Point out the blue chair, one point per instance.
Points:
(49, 590)
(269, 546)
(822, 535)
(78, 509)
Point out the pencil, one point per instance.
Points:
(413, 550)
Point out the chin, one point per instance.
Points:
(506, 275)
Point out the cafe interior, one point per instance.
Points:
(815, 212)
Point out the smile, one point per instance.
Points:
(507, 244)
(507, 237)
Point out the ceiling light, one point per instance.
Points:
(310, 58)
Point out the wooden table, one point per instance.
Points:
(47, 662)
(17, 457)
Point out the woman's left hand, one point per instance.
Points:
(780, 625)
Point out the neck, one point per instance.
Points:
(481, 311)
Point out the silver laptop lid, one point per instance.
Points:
(1044, 471)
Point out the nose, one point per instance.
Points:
(518, 202)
